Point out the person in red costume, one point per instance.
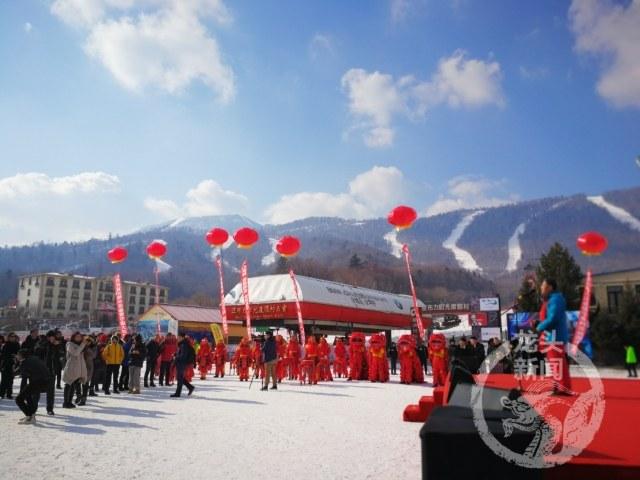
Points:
(378, 363)
(242, 359)
(340, 362)
(438, 358)
(203, 358)
(310, 360)
(220, 358)
(410, 366)
(293, 357)
(323, 370)
(256, 356)
(281, 366)
(357, 357)
(168, 349)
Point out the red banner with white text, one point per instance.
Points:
(122, 318)
(583, 320)
(303, 339)
(244, 279)
(223, 308)
(407, 259)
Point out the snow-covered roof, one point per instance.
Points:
(193, 313)
(279, 288)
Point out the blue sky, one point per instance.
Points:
(115, 114)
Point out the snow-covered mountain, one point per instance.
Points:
(496, 243)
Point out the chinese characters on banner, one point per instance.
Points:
(530, 366)
(407, 259)
(583, 319)
(244, 278)
(122, 319)
(298, 308)
(223, 308)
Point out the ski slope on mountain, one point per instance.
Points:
(463, 257)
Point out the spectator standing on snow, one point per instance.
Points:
(421, 351)
(113, 354)
(62, 357)
(89, 354)
(152, 348)
(137, 355)
(75, 369)
(124, 372)
(47, 351)
(631, 360)
(185, 356)
(270, 359)
(37, 378)
(393, 357)
(167, 350)
(7, 361)
(478, 352)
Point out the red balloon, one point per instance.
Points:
(246, 237)
(117, 254)
(592, 243)
(217, 237)
(157, 249)
(402, 217)
(288, 246)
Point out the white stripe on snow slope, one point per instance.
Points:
(464, 258)
(515, 250)
(616, 212)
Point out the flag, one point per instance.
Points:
(122, 318)
(244, 278)
(583, 320)
(407, 259)
(298, 308)
(223, 308)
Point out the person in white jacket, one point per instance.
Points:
(75, 369)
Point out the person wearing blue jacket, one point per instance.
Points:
(557, 335)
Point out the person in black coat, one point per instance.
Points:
(7, 361)
(185, 356)
(47, 351)
(478, 352)
(270, 360)
(421, 351)
(393, 357)
(62, 357)
(153, 350)
(37, 376)
(465, 355)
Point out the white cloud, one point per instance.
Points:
(321, 44)
(43, 207)
(612, 31)
(533, 73)
(399, 10)
(27, 27)
(28, 184)
(471, 192)
(162, 44)
(206, 198)
(376, 98)
(370, 194)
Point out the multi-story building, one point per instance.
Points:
(609, 287)
(61, 296)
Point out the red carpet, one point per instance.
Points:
(614, 451)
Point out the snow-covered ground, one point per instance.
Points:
(463, 257)
(328, 431)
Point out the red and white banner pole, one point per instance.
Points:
(583, 320)
(407, 259)
(244, 277)
(122, 319)
(223, 308)
(298, 307)
(157, 273)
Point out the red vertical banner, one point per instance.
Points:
(298, 308)
(122, 319)
(407, 260)
(244, 278)
(583, 320)
(223, 308)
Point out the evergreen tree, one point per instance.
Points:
(355, 261)
(558, 264)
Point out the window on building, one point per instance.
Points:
(133, 290)
(141, 310)
(28, 292)
(76, 284)
(62, 294)
(99, 297)
(75, 295)
(46, 314)
(132, 300)
(59, 315)
(74, 306)
(48, 293)
(614, 298)
(152, 301)
(132, 309)
(27, 303)
(86, 296)
(72, 315)
(108, 298)
(29, 280)
(50, 282)
(152, 291)
(62, 305)
(47, 304)
(63, 283)
(163, 293)
(87, 285)
(109, 287)
(22, 283)
(101, 288)
(85, 307)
